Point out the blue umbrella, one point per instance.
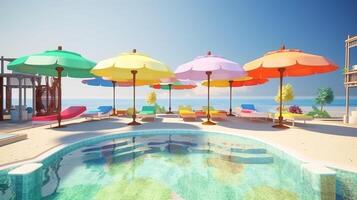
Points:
(103, 83)
(98, 82)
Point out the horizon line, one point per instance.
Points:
(205, 97)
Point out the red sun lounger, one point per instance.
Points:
(69, 113)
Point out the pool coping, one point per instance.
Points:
(12, 139)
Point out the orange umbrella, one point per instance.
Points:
(288, 62)
(244, 81)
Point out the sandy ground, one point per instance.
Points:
(326, 142)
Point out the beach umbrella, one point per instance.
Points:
(107, 83)
(132, 66)
(57, 63)
(209, 67)
(288, 62)
(176, 85)
(103, 83)
(241, 82)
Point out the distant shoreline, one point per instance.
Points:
(335, 109)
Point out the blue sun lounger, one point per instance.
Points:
(100, 112)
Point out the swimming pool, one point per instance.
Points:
(173, 165)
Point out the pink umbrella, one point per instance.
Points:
(209, 67)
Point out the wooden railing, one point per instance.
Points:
(351, 78)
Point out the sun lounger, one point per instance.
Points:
(147, 112)
(292, 117)
(130, 111)
(69, 113)
(102, 111)
(120, 113)
(200, 113)
(186, 113)
(216, 114)
(249, 111)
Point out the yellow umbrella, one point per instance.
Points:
(135, 67)
(240, 82)
(123, 67)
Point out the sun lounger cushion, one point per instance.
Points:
(148, 110)
(185, 109)
(99, 112)
(294, 116)
(246, 111)
(105, 109)
(100, 109)
(248, 106)
(68, 113)
(218, 114)
(186, 112)
(249, 113)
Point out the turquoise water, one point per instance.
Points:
(173, 167)
(262, 104)
(173, 164)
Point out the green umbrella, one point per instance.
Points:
(56, 63)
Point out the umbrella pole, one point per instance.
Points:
(230, 98)
(59, 75)
(280, 124)
(170, 87)
(47, 96)
(134, 123)
(113, 82)
(208, 122)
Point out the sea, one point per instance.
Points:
(337, 107)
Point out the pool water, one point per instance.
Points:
(208, 166)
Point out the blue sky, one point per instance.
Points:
(177, 31)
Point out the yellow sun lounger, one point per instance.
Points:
(187, 113)
(216, 114)
(292, 117)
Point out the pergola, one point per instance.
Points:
(22, 82)
(349, 72)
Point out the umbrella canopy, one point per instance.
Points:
(56, 63)
(73, 64)
(294, 61)
(132, 66)
(220, 67)
(177, 85)
(98, 82)
(107, 83)
(209, 67)
(103, 83)
(241, 82)
(288, 62)
(120, 68)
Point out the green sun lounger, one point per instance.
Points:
(148, 112)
